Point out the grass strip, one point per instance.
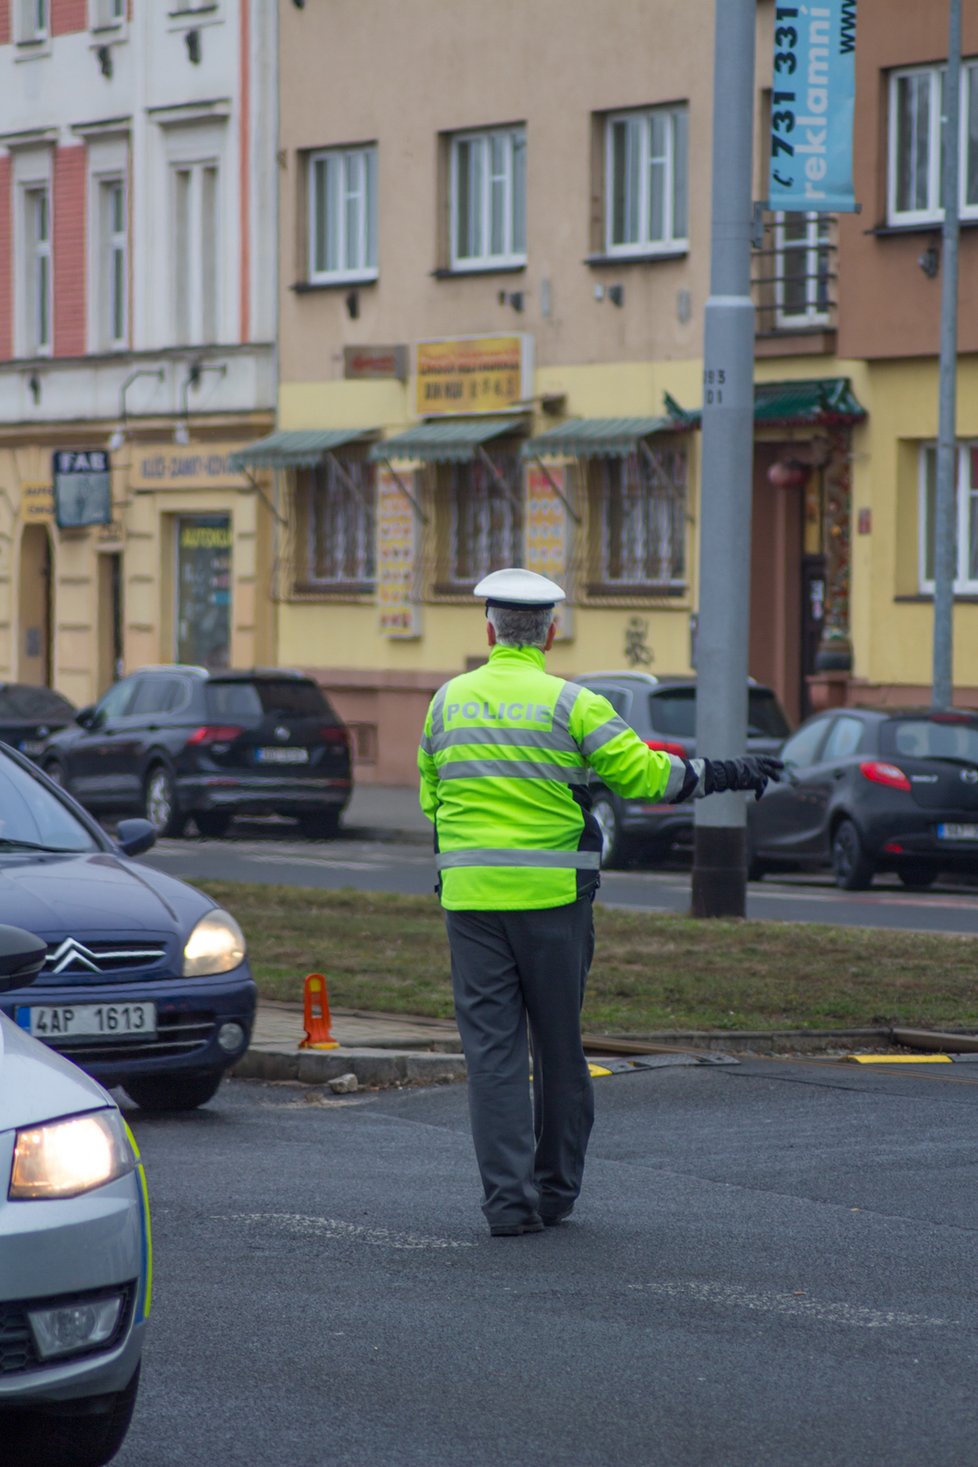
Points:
(651, 972)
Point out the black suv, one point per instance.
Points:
(662, 711)
(173, 742)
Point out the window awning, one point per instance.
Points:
(598, 437)
(807, 400)
(301, 448)
(447, 440)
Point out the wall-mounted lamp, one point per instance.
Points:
(192, 38)
(352, 304)
(119, 435)
(181, 433)
(616, 295)
(930, 261)
(512, 298)
(34, 387)
(103, 55)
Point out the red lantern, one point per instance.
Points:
(787, 474)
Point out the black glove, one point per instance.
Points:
(752, 773)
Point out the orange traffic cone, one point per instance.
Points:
(316, 1015)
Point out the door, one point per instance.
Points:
(34, 606)
(109, 618)
(787, 823)
(91, 761)
(812, 619)
(203, 591)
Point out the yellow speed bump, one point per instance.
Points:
(596, 1070)
(900, 1059)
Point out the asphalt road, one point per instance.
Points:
(406, 865)
(772, 1266)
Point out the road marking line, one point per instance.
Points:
(300, 1225)
(731, 1296)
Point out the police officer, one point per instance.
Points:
(504, 763)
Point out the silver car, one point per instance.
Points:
(75, 1261)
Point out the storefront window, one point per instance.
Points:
(336, 514)
(480, 520)
(203, 591)
(638, 510)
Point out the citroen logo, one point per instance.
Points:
(282, 732)
(970, 776)
(73, 954)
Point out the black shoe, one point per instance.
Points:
(531, 1224)
(551, 1219)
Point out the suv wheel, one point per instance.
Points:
(916, 878)
(213, 823)
(160, 802)
(613, 844)
(78, 1438)
(851, 866)
(173, 1092)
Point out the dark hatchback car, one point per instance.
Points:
(146, 982)
(662, 711)
(872, 789)
(29, 715)
(173, 742)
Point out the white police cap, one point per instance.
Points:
(517, 587)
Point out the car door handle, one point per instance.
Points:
(838, 773)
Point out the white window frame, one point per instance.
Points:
(32, 20)
(670, 242)
(964, 491)
(191, 323)
(932, 212)
(107, 243)
(513, 254)
(817, 239)
(34, 252)
(106, 15)
(357, 182)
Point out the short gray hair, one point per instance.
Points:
(523, 626)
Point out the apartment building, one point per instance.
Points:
(494, 245)
(137, 320)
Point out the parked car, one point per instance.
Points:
(173, 742)
(28, 715)
(146, 982)
(871, 789)
(74, 1249)
(662, 711)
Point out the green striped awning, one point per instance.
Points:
(445, 440)
(597, 437)
(807, 400)
(300, 448)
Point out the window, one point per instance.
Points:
(638, 509)
(113, 272)
(195, 252)
(916, 144)
(336, 505)
(802, 749)
(488, 198)
(480, 520)
(37, 258)
(343, 214)
(32, 20)
(107, 14)
(965, 520)
(802, 253)
(845, 738)
(646, 181)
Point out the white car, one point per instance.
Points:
(75, 1260)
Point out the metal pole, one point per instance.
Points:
(719, 871)
(945, 537)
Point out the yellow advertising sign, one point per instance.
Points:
(472, 374)
(397, 557)
(547, 535)
(37, 503)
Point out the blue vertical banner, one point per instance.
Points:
(812, 107)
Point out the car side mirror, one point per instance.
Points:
(85, 717)
(133, 837)
(22, 956)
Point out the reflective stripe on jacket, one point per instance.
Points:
(504, 763)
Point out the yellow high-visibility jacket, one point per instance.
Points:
(504, 763)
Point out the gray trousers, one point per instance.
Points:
(511, 970)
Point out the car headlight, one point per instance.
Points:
(67, 1158)
(216, 945)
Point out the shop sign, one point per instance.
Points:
(36, 504)
(82, 488)
(362, 362)
(397, 557)
(547, 535)
(473, 374)
(194, 466)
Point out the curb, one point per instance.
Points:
(371, 1066)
